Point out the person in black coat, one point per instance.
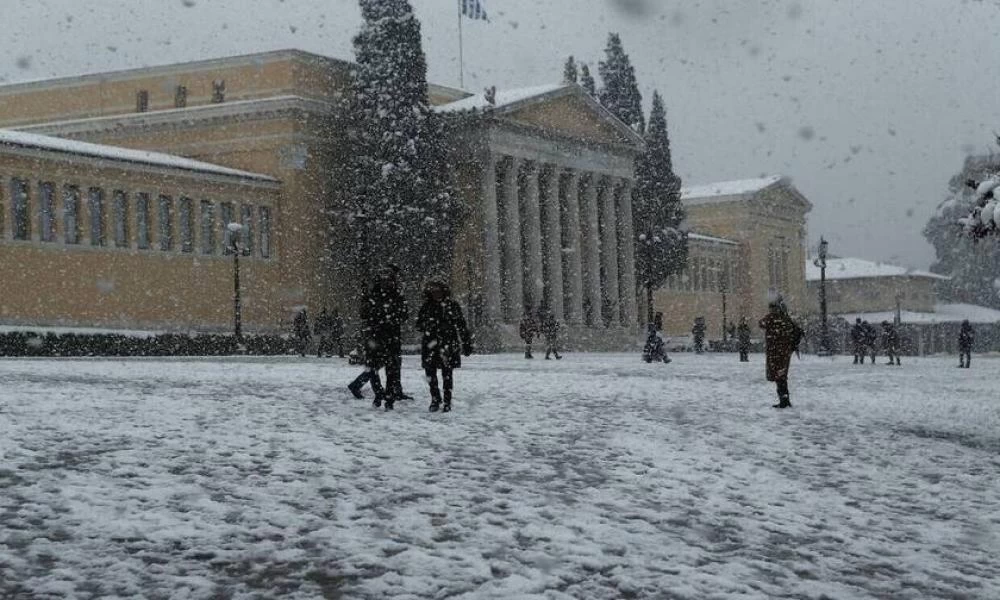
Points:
(858, 341)
(890, 343)
(966, 338)
(743, 340)
(781, 337)
(698, 332)
(444, 339)
(300, 327)
(870, 338)
(655, 349)
(550, 329)
(383, 312)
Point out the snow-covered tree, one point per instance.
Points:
(569, 71)
(657, 212)
(400, 204)
(587, 80)
(620, 91)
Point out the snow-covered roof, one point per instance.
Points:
(142, 157)
(710, 192)
(503, 98)
(859, 268)
(713, 240)
(943, 313)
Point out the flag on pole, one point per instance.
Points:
(474, 10)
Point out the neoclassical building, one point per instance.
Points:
(170, 155)
(747, 245)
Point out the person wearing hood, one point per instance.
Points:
(781, 337)
(966, 338)
(444, 339)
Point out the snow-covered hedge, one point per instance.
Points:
(30, 343)
(985, 216)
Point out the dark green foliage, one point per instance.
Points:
(657, 212)
(400, 205)
(587, 81)
(620, 90)
(569, 71)
(974, 266)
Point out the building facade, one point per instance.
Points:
(747, 246)
(545, 174)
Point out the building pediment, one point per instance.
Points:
(564, 110)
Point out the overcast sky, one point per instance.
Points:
(869, 105)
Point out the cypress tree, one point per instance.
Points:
(569, 71)
(400, 205)
(657, 212)
(587, 80)
(620, 90)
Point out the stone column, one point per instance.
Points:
(553, 233)
(533, 282)
(513, 267)
(573, 277)
(609, 247)
(626, 256)
(491, 241)
(590, 236)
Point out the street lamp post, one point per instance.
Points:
(820, 262)
(724, 288)
(234, 236)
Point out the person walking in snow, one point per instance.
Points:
(528, 330)
(966, 338)
(321, 329)
(445, 338)
(300, 327)
(781, 337)
(698, 332)
(743, 340)
(550, 329)
(858, 341)
(870, 338)
(655, 349)
(383, 312)
(337, 332)
(890, 343)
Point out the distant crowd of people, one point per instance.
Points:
(445, 338)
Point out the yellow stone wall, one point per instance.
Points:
(56, 283)
(876, 294)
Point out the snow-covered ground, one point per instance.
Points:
(594, 477)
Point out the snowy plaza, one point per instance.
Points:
(597, 476)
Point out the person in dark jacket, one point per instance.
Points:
(870, 339)
(654, 349)
(890, 343)
(858, 341)
(445, 338)
(321, 329)
(550, 329)
(743, 340)
(528, 330)
(383, 312)
(698, 332)
(966, 338)
(300, 327)
(781, 337)
(337, 332)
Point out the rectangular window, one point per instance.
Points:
(246, 234)
(20, 212)
(95, 206)
(207, 227)
(228, 216)
(180, 96)
(165, 218)
(187, 224)
(696, 272)
(120, 209)
(142, 101)
(71, 214)
(264, 213)
(47, 211)
(142, 221)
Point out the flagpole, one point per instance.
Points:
(461, 59)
